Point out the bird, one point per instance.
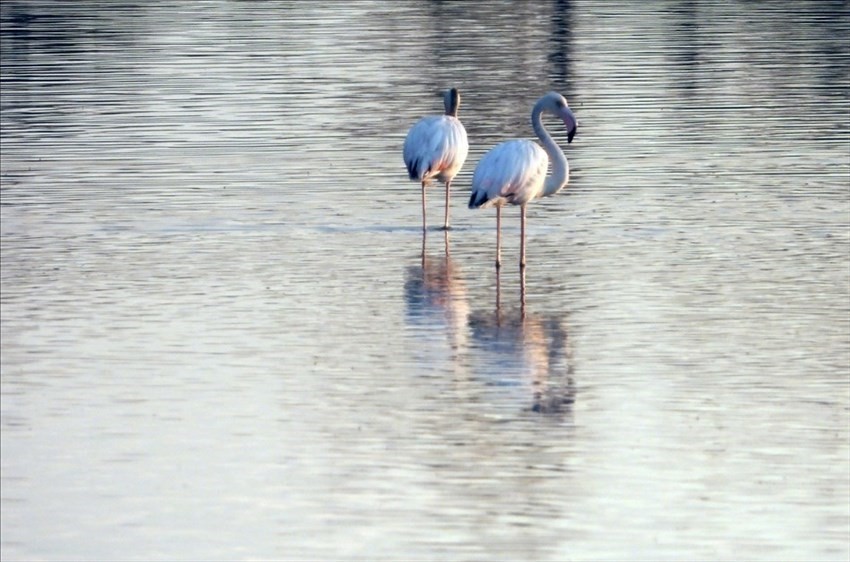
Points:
(436, 148)
(515, 171)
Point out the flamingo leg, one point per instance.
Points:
(423, 251)
(498, 237)
(423, 206)
(498, 295)
(448, 186)
(522, 239)
(522, 293)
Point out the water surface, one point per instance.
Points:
(224, 336)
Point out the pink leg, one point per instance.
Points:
(448, 186)
(498, 237)
(522, 239)
(498, 292)
(423, 206)
(522, 292)
(423, 250)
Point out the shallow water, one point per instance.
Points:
(221, 337)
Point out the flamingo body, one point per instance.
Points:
(435, 149)
(512, 172)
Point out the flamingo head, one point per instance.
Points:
(557, 105)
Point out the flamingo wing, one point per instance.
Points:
(511, 172)
(436, 146)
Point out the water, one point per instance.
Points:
(221, 338)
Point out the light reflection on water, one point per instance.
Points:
(224, 336)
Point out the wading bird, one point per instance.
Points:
(515, 171)
(436, 148)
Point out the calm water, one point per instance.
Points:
(221, 338)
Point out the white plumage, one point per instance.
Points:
(514, 172)
(436, 148)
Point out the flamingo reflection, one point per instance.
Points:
(436, 297)
(527, 351)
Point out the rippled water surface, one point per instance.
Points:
(222, 339)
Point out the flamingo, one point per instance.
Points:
(436, 148)
(515, 171)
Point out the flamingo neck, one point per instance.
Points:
(560, 166)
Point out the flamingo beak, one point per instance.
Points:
(570, 123)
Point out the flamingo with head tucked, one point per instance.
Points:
(515, 171)
(436, 148)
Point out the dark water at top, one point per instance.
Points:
(221, 340)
